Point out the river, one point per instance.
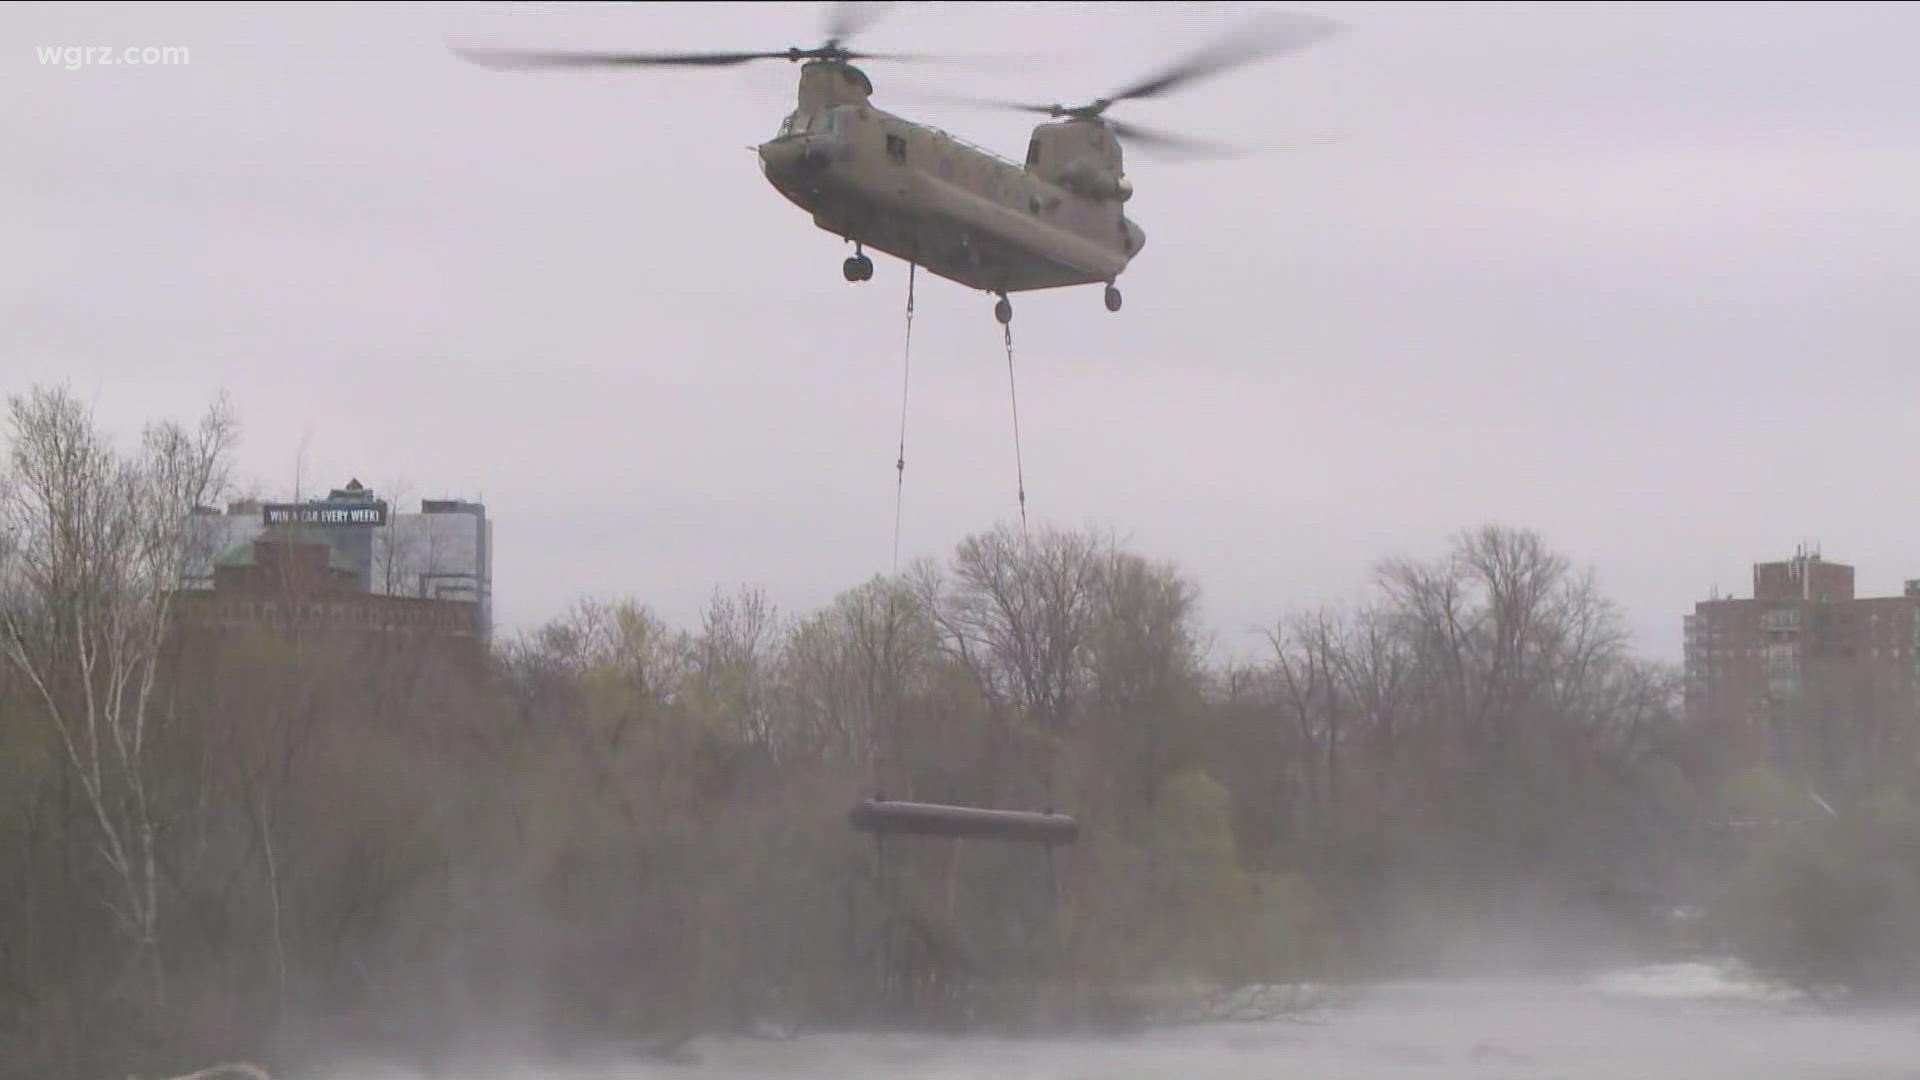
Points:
(1701, 1021)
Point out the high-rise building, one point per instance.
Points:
(444, 551)
(1805, 669)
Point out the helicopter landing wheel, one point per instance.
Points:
(858, 268)
(1113, 298)
(1003, 311)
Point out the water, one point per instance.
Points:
(1703, 1021)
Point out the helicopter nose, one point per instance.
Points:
(794, 160)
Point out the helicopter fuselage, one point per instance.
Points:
(926, 197)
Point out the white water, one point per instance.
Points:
(1698, 1021)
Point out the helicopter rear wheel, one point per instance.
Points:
(1003, 311)
(1113, 298)
(858, 268)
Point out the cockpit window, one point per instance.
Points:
(801, 123)
(1033, 153)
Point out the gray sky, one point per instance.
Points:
(1639, 277)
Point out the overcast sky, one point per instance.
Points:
(1639, 277)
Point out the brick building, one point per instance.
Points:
(350, 543)
(281, 629)
(1805, 672)
(290, 577)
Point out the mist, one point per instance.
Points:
(313, 836)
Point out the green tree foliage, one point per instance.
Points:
(1830, 902)
(1203, 895)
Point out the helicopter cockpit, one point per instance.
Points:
(817, 120)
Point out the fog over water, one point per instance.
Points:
(1694, 1020)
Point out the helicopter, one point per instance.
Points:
(934, 200)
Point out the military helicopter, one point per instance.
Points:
(934, 200)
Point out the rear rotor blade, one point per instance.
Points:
(1165, 143)
(950, 98)
(1269, 36)
(1168, 146)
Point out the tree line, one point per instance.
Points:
(278, 841)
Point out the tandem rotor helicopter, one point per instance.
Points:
(933, 200)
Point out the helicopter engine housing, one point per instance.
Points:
(1095, 181)
(1081, 156)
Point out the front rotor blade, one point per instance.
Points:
(518, 59)
(847, 19)
(916, 58)
(523, 60)
(1268, 36)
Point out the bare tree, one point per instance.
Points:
(1031, 605)
(1376, 666)
(820, 701)
(733, 658)
(1144, 662)
(849, 672)
(1236, 681)
(95, 546)
(395, 549)
(937, 595)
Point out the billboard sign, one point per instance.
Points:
(364, 514)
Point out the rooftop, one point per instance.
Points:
(247, 555)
